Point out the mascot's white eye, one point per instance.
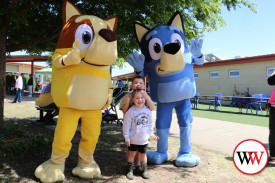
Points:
(155, 48)
(176, 38)
(85, 34)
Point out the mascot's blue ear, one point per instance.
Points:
(176, 20)
(140, 31)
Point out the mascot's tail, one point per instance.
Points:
(45, 97)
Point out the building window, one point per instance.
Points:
(270, 71)
(214, 74)
(196, 75)
(234, 73)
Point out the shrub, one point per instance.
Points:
(10, 81)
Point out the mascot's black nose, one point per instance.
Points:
(171, 48)
(108, 35)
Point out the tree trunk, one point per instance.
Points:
(3, 36)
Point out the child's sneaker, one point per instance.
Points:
(145, 173)
(130, 170)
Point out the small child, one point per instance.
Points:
(125, 104)
(137, 129)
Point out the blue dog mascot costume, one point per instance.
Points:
(168, 62)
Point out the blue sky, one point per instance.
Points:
(246, 34)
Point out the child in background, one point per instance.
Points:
(137, 129)
(125, 104)
(137, 83)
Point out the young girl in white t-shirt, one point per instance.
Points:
(137, 129)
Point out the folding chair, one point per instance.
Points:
(256, 101)
(235, 102)
(216, 101)
(195, 101)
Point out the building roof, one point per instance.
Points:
(124, 76)
(26, 58)
(36, 66)
(244, 60)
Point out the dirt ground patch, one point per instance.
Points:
(110, 156)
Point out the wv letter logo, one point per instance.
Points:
(250, 157)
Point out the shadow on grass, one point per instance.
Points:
(184, 172)
(110, 152)
(109, 155)
(25, 143)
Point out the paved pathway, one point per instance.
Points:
(10, 98)
(219, 135)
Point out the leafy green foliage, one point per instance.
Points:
(50, 58)
(15, 142)
(35, 25)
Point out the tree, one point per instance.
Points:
(35, 25)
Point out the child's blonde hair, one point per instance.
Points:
(135, 92)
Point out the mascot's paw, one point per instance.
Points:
(187, 160)
(156, 158)
(50, 172)
(88, 171)
(44, 100)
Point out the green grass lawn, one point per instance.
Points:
(232, 114)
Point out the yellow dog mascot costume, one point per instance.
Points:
(81, 87)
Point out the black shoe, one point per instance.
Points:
(13, 102)
(138, 170)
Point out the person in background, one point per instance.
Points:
(125, 88)
(18, 86)
(37, 85)
(120, 84)
(24, 83)
(30, 85)
(271, 102)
